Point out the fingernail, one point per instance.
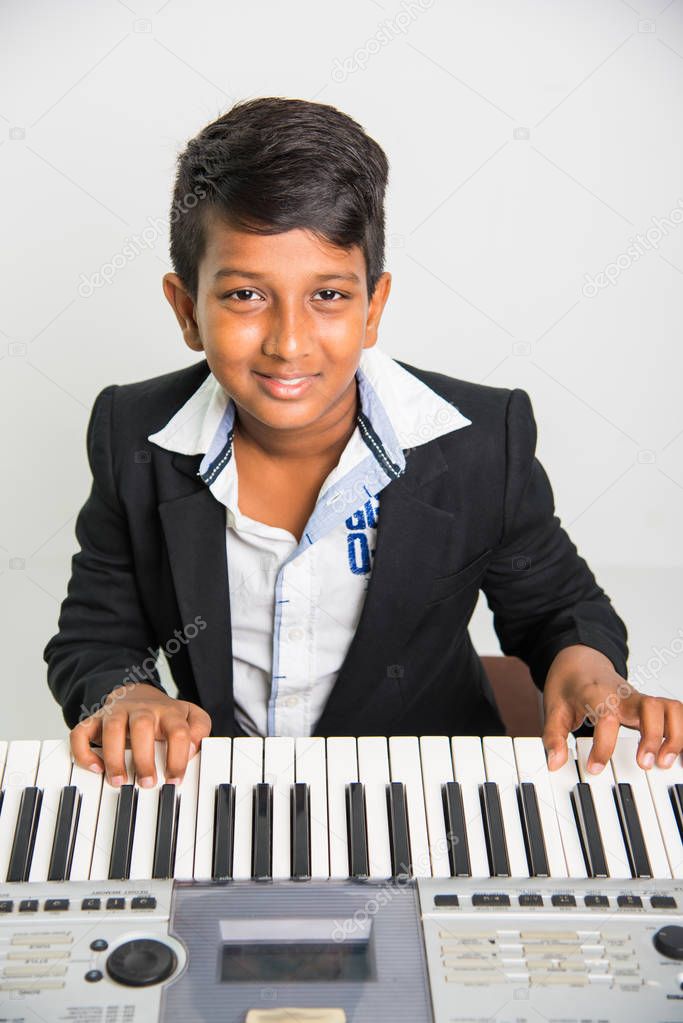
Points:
(116, 780)
(193, 749)
(96, 767)
(146, 783)
(595, 768)
(669, 759)
(552, 753)
(648, 760)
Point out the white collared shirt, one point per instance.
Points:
(295, 605)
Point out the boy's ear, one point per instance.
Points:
(182, 304)
(376, 308)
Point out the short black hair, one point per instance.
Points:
(274, 164)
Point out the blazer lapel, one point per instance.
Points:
(194, 528)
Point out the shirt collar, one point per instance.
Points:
(397, 411)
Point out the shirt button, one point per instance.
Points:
(292, 701)
(295, 634)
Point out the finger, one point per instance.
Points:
(557, 726)
(114, 747)
(673, 729)
(199, 724)
(142, 730)
(177, 734)
(80, 738)
(651, 730)
(604, 741)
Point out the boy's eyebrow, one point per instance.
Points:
(230, 271)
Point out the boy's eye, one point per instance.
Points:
(250, 291)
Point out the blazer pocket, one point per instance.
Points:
(448, 585)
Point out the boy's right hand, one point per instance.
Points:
(143, 714)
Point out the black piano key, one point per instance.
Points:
(357, 832)
(164, 842)
(636, 850)
(456, 831)
(65, 834)
(262, 832)
(399, 837)
(534, 843)
(589, 831)
(496, 846)
(24, 834)
(300, 831)
(223, 831)
(124, 827)
(676, 796)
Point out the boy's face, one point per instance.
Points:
(286, 311)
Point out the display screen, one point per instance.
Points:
(296, 961)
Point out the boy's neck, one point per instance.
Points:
(321, 442)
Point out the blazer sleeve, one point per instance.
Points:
(103, 630)
(543, 595)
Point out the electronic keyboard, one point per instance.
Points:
(405, 878)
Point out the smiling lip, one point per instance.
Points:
(285, 387)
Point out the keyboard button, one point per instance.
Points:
(446, 900)
(116, 903)
(28, 906)
(358, 839)
(99, 945)
(65, 834)
(91, 903)
(663, 902)
(143, 902)
(629, 902)
(261, 831)
(300, 815)
(563, 900)
(6, 906)
(56, 904)
(492, 813)
(490, 899)
(24, 835)
(533, 832)
(632, 831)
(596, 901)
(531, 899)
(164, 842)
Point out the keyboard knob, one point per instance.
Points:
(141, 962)
(669, 941)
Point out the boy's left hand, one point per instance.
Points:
(582, 683)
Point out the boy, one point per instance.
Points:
(303, 522)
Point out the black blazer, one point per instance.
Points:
(474, 509)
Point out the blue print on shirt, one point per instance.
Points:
(357, 547)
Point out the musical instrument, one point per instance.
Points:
(409, 879)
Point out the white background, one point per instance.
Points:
(529, 144)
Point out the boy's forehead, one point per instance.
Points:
(226, 246)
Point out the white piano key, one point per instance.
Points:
(532, 767)
(437, 769)
(247, 771)
(312, 769)
(89, 786)
(214, 769)
(21, 767)
(405, 766)
(144, 834)
(499, 761)
(373, 773)
(469, 771)
(278, 771)
(602, 788)
(659, 780)
(562, 782)
(342, 768)
(104, 833)
(54, 772)
(187, 819)
(627, 769)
